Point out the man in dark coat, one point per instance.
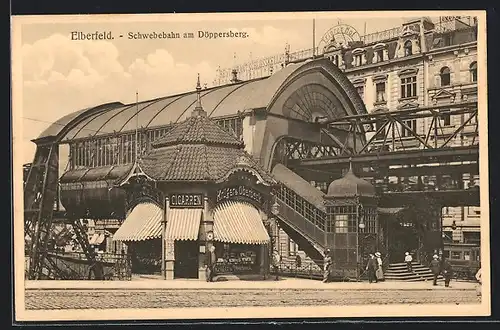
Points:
(447, 272)
(435, 268)
(371, 266)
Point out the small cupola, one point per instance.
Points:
(350, 186)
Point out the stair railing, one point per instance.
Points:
(316, 236)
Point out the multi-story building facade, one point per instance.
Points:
(421, 63)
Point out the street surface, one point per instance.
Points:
(271, 294)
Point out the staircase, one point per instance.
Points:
(399, 272)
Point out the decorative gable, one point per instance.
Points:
(408, 105)
(443, 94)
(408, 72)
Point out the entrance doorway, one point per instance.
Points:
(402, 239)
(186, 259)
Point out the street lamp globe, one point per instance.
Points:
(361, 225)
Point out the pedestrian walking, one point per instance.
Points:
(435, 268)
(447, 272)
(276, 264)
(379, 273)
(298, 261)
(327, 262)
(370, 269)
(479, 282)
(408, 260)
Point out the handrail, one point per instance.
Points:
(304, 232)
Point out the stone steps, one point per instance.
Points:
(399, 272)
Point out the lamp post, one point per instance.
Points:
(275, 211)
(361, 244)
(274, 235)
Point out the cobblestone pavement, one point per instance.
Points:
(165, 298)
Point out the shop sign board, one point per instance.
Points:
(239, 191)
(186, 200)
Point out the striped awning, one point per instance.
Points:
(239, 222)
(144, 222)
(183, 224)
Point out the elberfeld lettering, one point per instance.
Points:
(78, 35)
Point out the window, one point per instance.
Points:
(381, 134)
(408, 48)
(411, 124)
(445, 118)
(361, 91)
(445, 76)
(379, 55)
(472, 237)
(358, 60)
(380, 89)
(341, 223)
(335, 60)
(473, 71)
(408, 87)
(456, 255)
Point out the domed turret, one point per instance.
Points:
(350, 185)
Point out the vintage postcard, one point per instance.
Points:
(257, 165)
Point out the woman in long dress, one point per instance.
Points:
(379, 273)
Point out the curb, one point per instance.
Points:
(242, 289)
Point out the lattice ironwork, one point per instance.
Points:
(408, 129)
(39, 198)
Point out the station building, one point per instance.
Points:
(202, 169)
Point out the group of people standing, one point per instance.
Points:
(374, 268)
(438, 266)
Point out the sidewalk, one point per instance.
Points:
(142, 283)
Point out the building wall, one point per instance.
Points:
(455, 49)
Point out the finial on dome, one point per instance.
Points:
(350, 164)
(198, 110)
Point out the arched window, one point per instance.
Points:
(445, 76)
(473, 71)
(408, 48)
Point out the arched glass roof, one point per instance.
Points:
(218, 101)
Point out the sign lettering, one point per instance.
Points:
(186, 200)
(239, 191)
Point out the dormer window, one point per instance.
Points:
(358, 55)
(473, 71)
(380, 53)
(408, 48)
(335, 60)
(445, 76)
(358, 59)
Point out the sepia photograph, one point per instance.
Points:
(250, 165)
